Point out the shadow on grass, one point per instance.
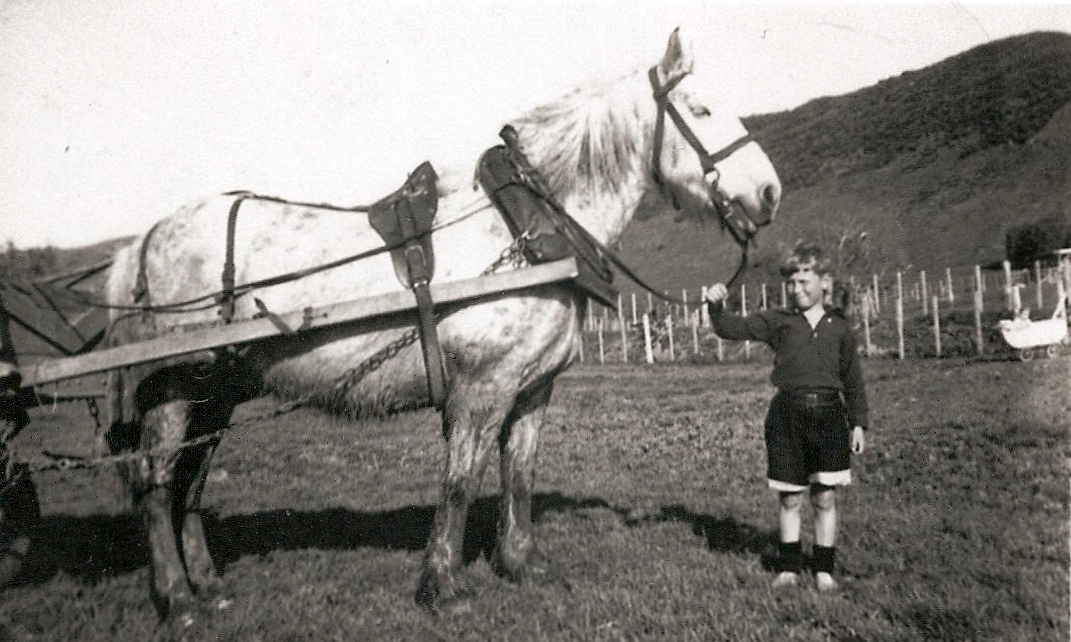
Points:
(94, 547)
(722, 534)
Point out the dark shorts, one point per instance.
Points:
(807, 441)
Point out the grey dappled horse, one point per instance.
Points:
(596, 148)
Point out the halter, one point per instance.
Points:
(707, 160)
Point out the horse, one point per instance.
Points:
(599, 149)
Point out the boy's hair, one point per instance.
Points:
(806, 256)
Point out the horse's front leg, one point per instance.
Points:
(519, 443)
(472, 418)
(190, 476)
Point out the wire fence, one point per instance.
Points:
(903, 314)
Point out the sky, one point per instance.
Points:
(114, 114)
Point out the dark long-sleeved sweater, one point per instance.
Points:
(825, 357)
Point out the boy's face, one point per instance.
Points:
(807, 288)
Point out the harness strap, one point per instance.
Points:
(226, 295)
(142, 296)
(707, 160)
(420, 272)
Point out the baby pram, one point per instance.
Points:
(1036, 338)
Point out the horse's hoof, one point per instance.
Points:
(210, 589)
(518, 568)
(508, 567)
(438, 596)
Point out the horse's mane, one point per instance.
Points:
(587, 140)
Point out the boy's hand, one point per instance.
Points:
(858, 440)
(717, 293)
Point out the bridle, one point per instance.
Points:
(707, 161)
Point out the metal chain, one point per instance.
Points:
(513, 255)
(348, 379)
(94, 411)
(16, 468)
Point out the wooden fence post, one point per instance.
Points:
(1038, 296)
(580, 338)
(624, 333)
(866, 322)
(684, 297)
(951, 290)
(877, 295)
(784, 295)
(979, 339)
(923, 294)
(1008, 303)
(743, 312)
(695, 334)
(900, 314)
(602, 346)
(704, 315)
(669, 331)
(647, 337)
(936, 328)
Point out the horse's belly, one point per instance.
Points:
(504, 345)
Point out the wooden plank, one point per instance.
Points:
(88, 387)
(180, 343)
(40, 319)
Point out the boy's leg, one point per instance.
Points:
(789, 549)
(823, 501)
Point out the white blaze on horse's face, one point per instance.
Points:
(745, 179)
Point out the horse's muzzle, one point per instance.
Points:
(735, 216)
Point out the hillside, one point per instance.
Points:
(933, 165)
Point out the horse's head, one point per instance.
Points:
(735, 179)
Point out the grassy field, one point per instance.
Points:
(652, 519)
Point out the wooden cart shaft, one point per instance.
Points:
(180, 343)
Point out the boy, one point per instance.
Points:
(820, 393)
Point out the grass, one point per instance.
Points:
(652, 520)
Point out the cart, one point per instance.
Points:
(50, 350)
(1034, 339)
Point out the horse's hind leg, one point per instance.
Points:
(519, 442)
(162, 426)
(472, 419)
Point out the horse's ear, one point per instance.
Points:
(678, 59)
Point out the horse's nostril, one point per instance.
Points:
(770, 195)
